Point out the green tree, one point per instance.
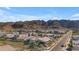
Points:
(35, 44)
(70, 46)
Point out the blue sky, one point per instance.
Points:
(8, 14)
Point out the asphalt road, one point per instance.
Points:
(64, 40)
(59, 46)
(75, 48)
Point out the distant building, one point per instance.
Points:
(22, 36)
(2, 34)
(11, 36)
(45, 39)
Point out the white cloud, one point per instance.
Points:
(55, 18)
(75, 15)
(8, 8)
(6, 16)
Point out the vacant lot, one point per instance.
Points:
(7, 48)
(11, 45)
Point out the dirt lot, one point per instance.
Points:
(7, 48)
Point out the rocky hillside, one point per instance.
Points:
(40, 24)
